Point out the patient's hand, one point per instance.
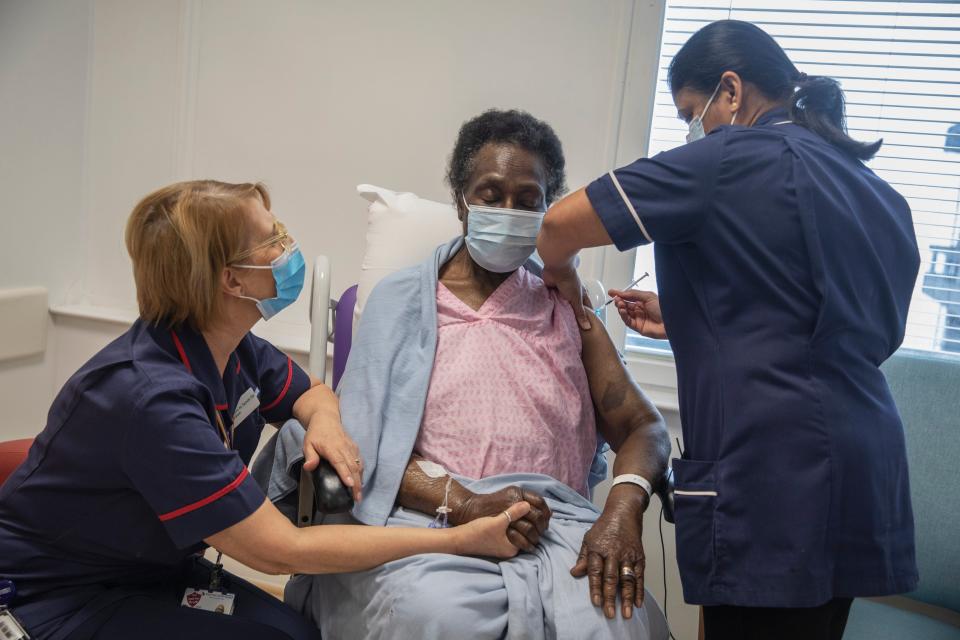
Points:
(523, 532)
(613, 544)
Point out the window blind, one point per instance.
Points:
(899, 66)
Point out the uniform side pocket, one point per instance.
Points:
(695, 502)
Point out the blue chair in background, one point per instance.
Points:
(926, 388)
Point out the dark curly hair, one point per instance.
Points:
(511, 127)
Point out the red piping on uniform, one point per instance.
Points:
(202, 503)
(221, 407)
(286, 387)
(183, 354)
(238, 364)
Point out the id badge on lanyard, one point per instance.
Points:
(10, 627)
(213, 601)
(214, 598)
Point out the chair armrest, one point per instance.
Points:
(320, 490)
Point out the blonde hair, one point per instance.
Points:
(180, 239)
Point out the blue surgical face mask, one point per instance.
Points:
(696, 125)
(501, 240)
(288, 273)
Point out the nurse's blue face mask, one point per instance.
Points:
(695, 127)
(501, 240)
(288, 270)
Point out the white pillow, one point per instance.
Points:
(402, 230)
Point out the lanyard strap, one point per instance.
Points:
(227, 439)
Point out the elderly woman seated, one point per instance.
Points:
(470, 387)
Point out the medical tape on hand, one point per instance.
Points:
(432, 469)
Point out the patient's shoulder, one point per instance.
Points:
(548, 301)
(536, 290)
(530, 280)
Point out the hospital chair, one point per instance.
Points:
(926, 388)
(321, 491)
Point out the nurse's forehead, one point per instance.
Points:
(261, 220)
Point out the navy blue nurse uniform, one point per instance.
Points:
(785, 270)
(131, 473)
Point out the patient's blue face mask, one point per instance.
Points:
(501, 240)
(288, 270)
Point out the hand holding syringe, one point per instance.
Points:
(645, 274)
(640, 310)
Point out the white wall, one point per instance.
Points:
(314, 98)
(43, 92)
(102, 101)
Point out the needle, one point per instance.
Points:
(645, 274)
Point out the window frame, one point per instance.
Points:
(654, 371)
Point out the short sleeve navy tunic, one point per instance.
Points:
(785, 270)
(131, 472)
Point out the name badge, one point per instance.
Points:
(10, 628)
(215, 601)
(246, 405)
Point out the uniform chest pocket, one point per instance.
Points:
(695, 504)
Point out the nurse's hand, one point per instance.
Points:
(640, 310)
(487, 536)
(566, 281)
(325, 438)
(611, 551)
(523, 532)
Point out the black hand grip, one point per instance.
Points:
(665, 493)
(330, 494)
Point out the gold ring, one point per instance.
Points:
(357, 460)
(509, 519)
(627, 572)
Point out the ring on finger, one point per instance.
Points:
(627, 573)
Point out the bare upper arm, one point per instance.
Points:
(620, 404)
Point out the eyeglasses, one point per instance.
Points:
(279, 236)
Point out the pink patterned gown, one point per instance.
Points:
(509, 392)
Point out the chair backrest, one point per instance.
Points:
(926, 388)
(343, 332)
(12, 453)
